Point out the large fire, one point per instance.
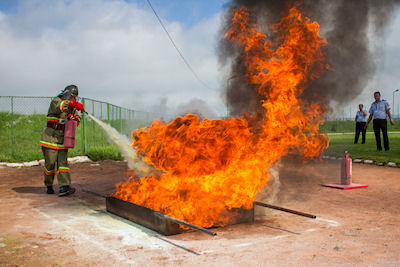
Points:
(211, 167)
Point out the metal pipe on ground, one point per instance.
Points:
(191, 226)
(285, 210)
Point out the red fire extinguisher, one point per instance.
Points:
(69, 133)
(346, 170)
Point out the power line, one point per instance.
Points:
(176, 47)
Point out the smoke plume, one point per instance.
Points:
(196, 106)
(354, 29)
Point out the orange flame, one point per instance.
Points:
(212, 167)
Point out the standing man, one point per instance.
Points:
(62, 107)
(361, 118)
(379, 110)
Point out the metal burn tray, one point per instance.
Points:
(167, 225)
(141, 215)
(162, 223)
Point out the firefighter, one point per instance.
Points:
(380, 109)
(64, 106)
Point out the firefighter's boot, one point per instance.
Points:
(66, 190)
(50, 190)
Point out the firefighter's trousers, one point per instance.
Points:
(55, 161)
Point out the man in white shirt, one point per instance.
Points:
(380, 109)
(361, 118)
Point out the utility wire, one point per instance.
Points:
(176, 47)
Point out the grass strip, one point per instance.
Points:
(341, 143)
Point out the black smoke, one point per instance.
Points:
(354, 29)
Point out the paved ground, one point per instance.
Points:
(356, 227)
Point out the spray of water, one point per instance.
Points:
(124, 145)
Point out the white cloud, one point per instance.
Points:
(113, 50)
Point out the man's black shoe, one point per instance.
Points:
(66, 190)
(50, 190)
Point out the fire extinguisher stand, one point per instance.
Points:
(345, 176)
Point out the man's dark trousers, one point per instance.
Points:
(378, 125)
(360, 127)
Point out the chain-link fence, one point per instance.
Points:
(22, 120)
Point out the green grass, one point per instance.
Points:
(341, 143)
(28, 129)
(349, 126)
(103, 153)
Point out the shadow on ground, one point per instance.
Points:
(30, 190)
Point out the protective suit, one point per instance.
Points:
(62, 107)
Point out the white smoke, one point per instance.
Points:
(124, 145)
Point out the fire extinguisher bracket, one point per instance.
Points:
(350, 186)
(346, 176)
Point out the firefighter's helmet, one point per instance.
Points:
(70, 92)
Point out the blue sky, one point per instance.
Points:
(188, 12)
(8, 5)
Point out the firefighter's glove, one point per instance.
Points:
(76, 105)
(72, 117)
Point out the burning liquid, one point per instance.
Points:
(214, 166)
(125, 147)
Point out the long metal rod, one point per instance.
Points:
(191, 226)
(176, 245)
(285, 210)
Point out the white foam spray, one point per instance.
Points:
(124, 145)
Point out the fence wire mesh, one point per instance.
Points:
(23, 118)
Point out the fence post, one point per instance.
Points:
(108, 113)
(126, 116)
(84, 141)
(93, 127)
(120, 119)
(12, 128)
(101, 111)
